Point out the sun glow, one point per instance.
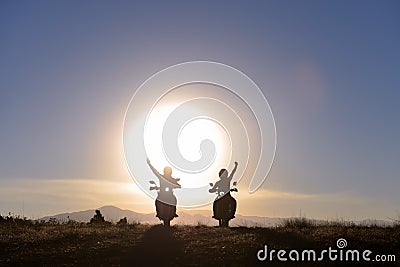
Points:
(190, 137)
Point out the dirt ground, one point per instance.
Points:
(152, 245)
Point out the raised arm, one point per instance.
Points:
(156, 173)
(233, 171)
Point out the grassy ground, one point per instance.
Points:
(76, 244)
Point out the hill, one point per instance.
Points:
(202, 217)
(186, 217)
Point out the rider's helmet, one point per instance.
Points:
(167, 171)
(223, 173)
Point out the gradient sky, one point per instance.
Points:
(329, 69)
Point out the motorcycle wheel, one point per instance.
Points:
(167, 223)
(223, 223)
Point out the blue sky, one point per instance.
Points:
(330, 71)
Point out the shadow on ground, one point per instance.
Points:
(158, 246)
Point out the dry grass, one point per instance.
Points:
(78, 244)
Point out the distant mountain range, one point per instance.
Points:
(187, 217)
(196, 217)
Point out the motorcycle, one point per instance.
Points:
(165, 212)
(224, 206)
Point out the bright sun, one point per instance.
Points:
(191, 134)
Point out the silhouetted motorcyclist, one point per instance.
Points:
(222, 187)
(165, 193)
